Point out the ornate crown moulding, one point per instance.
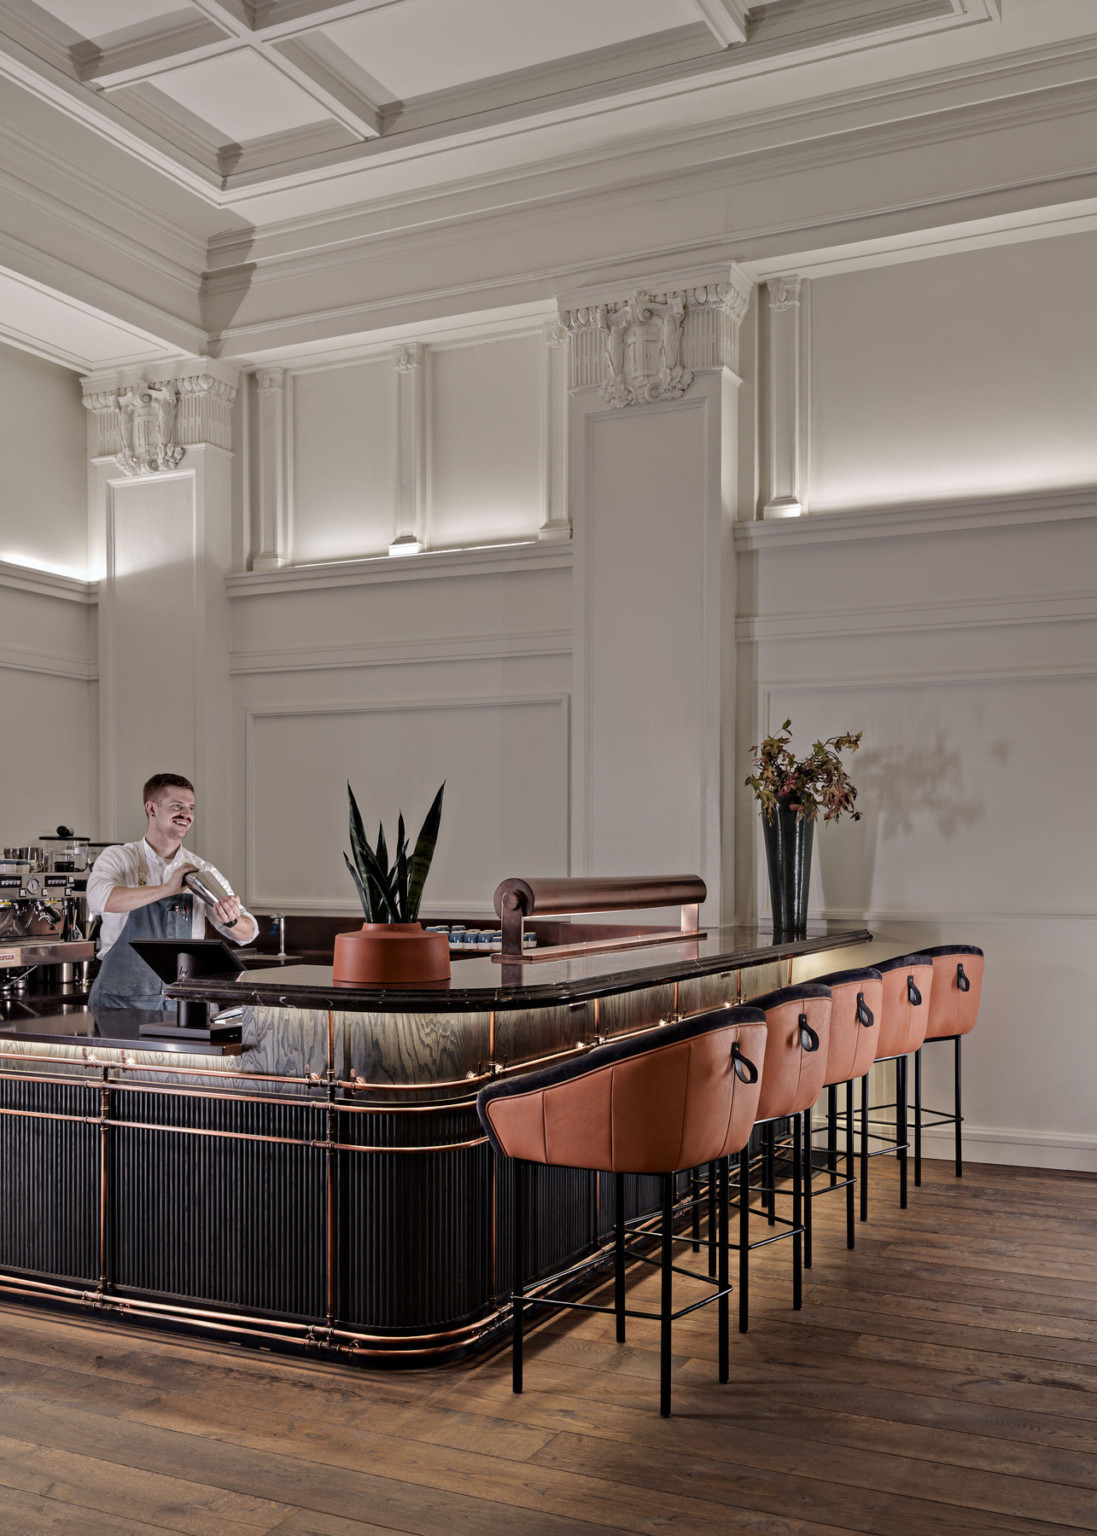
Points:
(146, 423)
(647, 347)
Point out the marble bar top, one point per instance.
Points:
(481, 984)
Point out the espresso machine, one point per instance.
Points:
(43, 948)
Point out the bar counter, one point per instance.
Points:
(324, 1186)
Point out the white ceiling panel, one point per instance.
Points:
(59, 329)
(94, 19)
(430, 45)
(241, 95)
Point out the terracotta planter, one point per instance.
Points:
(390, 955)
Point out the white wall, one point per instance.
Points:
(953, 619)
(47, 688)
(43, 447)
(49, 769)
(450, 667)
(962, 376)
(475, 435)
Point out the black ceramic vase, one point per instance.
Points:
(788, 855)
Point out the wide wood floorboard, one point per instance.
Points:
(941, 1378)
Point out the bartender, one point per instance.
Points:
(138, 889)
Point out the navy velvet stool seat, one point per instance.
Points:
(660, 1102)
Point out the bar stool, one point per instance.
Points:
(953, 1009)
(797, 1035)
(660, 1102)
(855, 1002)
(904, 1016)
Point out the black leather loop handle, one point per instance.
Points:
(745, 1070)
(913, 992)
(865, 1014)
(962, 981)
(808, 1038)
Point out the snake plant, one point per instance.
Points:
(391, 893)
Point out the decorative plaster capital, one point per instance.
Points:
(554, 333)
(784, 292)
(408, 356)
(648, 346)
(270, 381)
(147, 419)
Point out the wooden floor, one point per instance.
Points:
(942, 1378)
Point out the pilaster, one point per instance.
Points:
(409, 491)
(270, 469)
(653, 454)
(554, 434)
(784, 423)
(161, 513)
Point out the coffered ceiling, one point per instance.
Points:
(250, 177)
(232, 95)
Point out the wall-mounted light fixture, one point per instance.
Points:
(406, 544)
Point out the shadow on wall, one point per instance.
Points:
(902, 791)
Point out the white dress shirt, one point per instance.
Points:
(121, 865)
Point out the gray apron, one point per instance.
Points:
(124, 980)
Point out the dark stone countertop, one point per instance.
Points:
(482, 984)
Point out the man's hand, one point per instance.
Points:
(227, 911)
(174, 883)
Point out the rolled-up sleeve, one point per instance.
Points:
(108, 871)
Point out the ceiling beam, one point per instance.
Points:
(726, 19)
(283, 18)
(297, 61)
(158, 50)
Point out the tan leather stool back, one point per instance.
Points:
(904, 1009)
(798, 1033)
(957, 986)
(675, 1098)
(856, 1002)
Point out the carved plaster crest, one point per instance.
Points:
(641, 346)
(147, 416)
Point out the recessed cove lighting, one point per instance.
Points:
(40, 565)
(406, 544)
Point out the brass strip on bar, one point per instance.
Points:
(294, 1332)
(283, 1141)
(597, 946)
(139, 1066)
(358, 1083)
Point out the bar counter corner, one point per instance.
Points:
(325, 1187)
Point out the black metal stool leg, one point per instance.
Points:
(667, 1295)
(695, 1212)
(864, 1147)
(808, 1165)
(770, 1166)
(956, 1110)
(832, 1132)
(517, 1299)
(712, 1200)
(619, 1255)
(918, 1118)
(850, 1167)
(722, 1270)
(901, 1126)
(797, 1211)
(744, 1240)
